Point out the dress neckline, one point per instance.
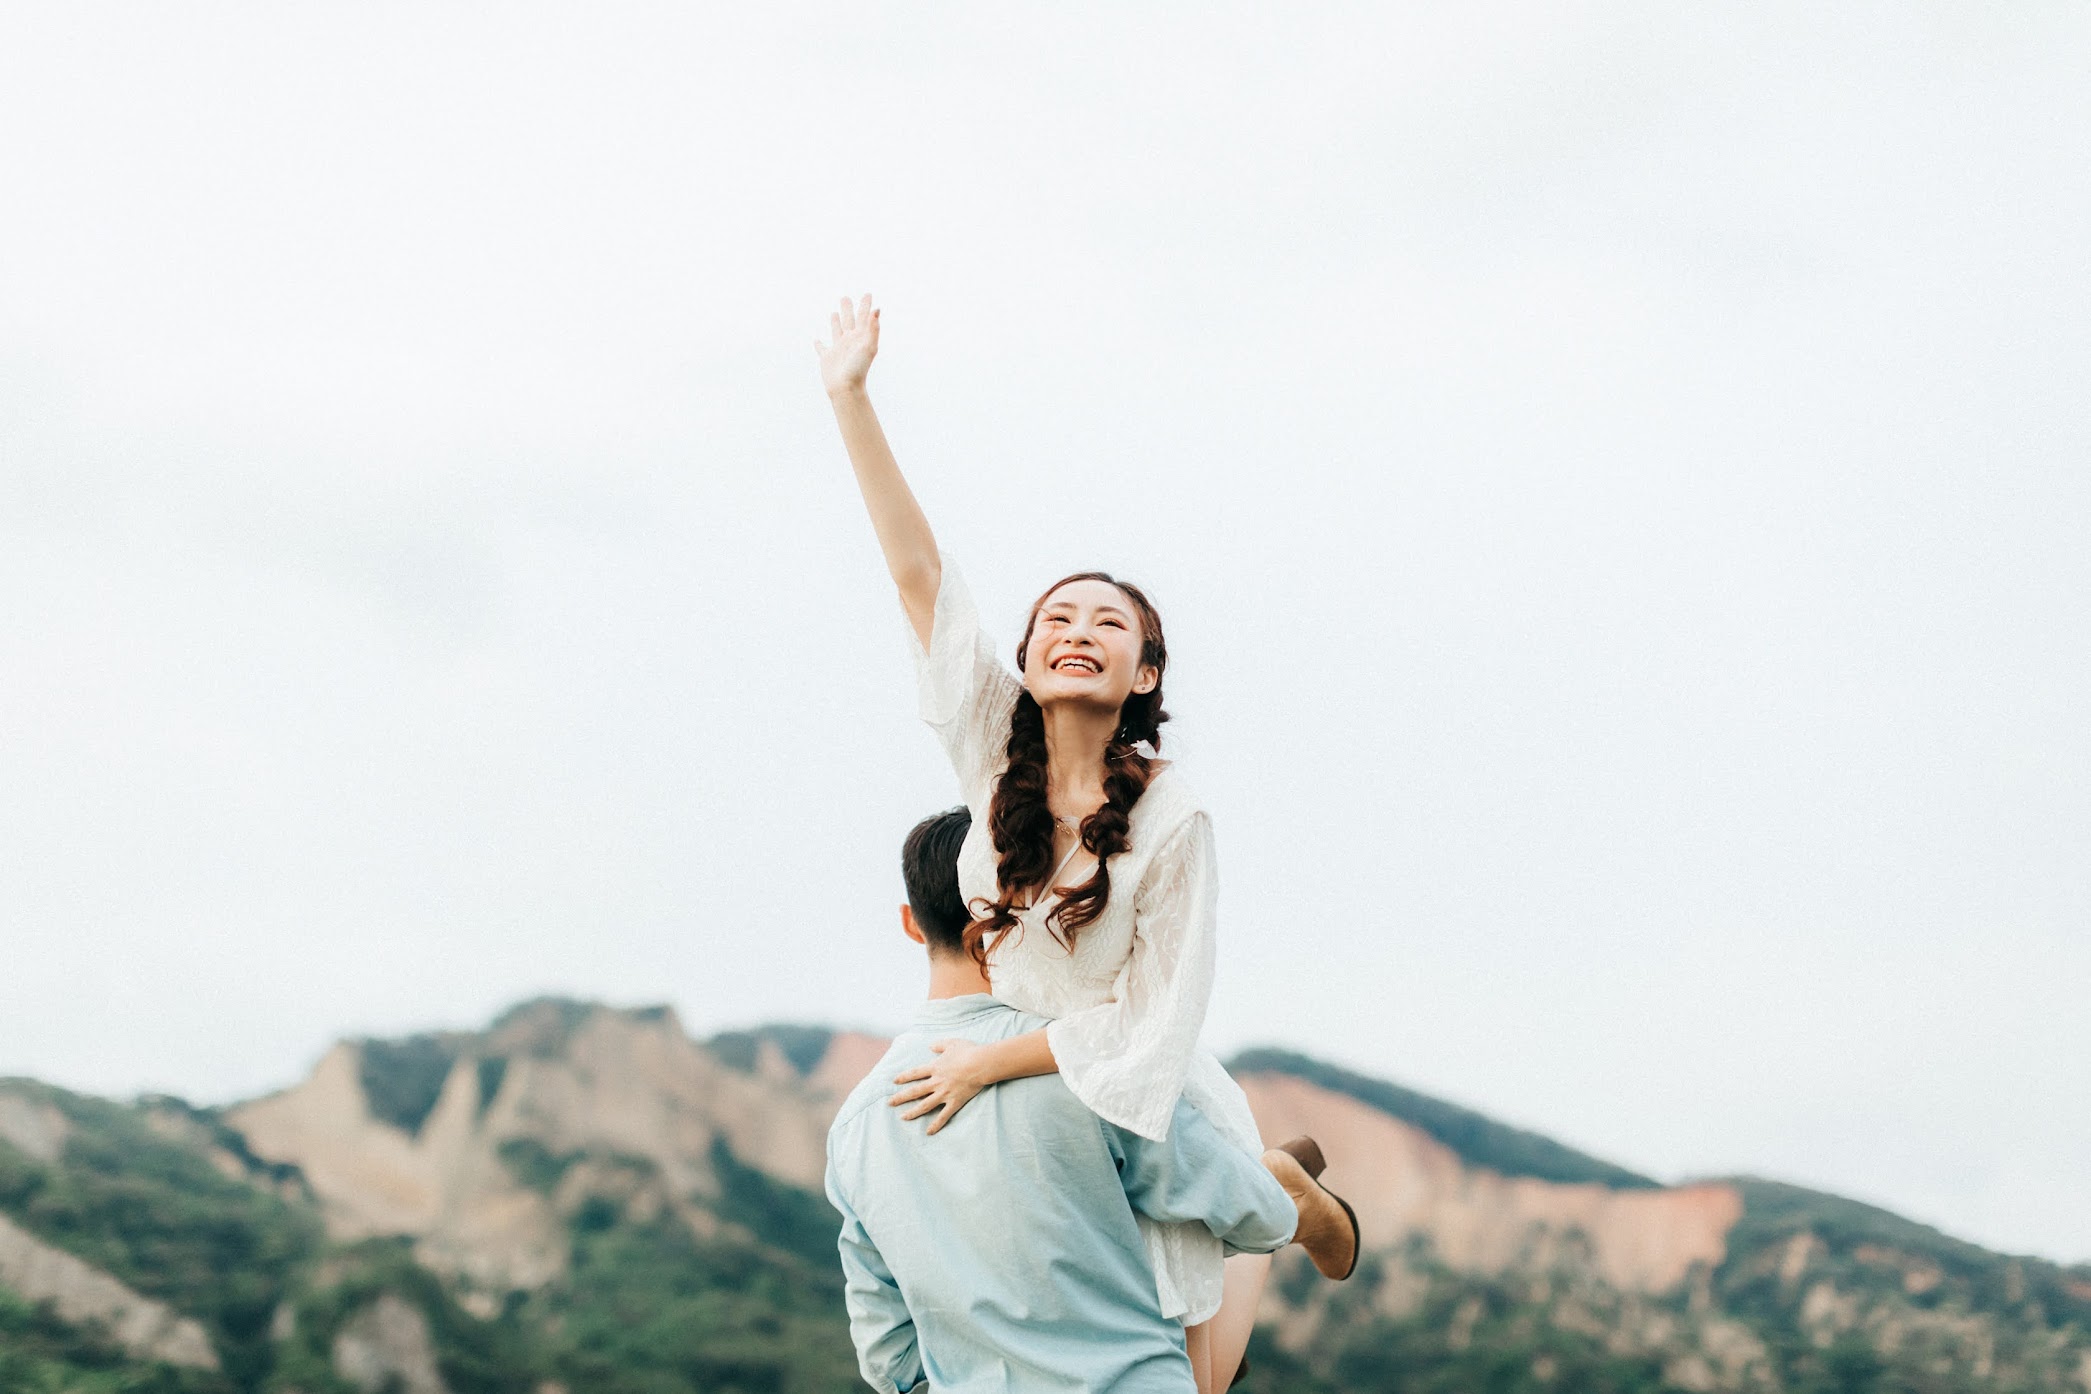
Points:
(1063, 862)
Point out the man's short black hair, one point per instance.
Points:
(929, 864)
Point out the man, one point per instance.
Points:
(1002, 1254)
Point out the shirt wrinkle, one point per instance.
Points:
(1004, 1253)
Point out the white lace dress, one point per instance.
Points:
(1128, 1002)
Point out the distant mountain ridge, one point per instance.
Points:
(580, 1197)
(1475, 1137)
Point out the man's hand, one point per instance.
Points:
(947, 1083)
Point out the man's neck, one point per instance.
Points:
(955, 975)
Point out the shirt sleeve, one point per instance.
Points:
(879, 1323)
(966, 694)
(1197, 1176)
(1127, 1058)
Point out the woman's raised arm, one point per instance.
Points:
(903, 531)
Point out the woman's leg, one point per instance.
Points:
(1197, 1343)
(1216, 1347)
(1228, 1338)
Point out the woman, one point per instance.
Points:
(1089, 868)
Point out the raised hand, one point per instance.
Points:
(904, 535)
(853, 343)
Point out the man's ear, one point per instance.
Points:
(908, 926)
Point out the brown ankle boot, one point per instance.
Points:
(1328, 1226)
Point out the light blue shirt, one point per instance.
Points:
(1001, 1256)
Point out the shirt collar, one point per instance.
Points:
(950, 1011)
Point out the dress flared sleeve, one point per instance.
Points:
(966, 694)
(1127, 1058)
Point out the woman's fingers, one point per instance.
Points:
(908, 1093)
(849, 314)
(929, 1104)
(928, 1101)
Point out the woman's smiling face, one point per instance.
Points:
(1085, 648)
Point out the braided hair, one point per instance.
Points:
(1019, 820)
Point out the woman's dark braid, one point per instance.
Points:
(1020, 821)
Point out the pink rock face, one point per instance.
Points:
(850, 1055)
(622, 1084)
(1404, 1182)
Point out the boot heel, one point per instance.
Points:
(1307, 1152)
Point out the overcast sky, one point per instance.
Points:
(1614, 478)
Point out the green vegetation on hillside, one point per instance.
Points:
(1479, 1140)
(1882, 1249)
(155, 1213)
(492, 1070)
(1912, 1302)
(1453, 1333)
(648, 1307)
(651, 1309)
(803, 1046)
(797, 1222)
(736, 1289)
(543, 1027)
(40, 1354)
(536, 1165)
(403, 1079)
(473, 1356)
(1774, 1210)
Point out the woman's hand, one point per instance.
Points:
(904, 535)
(948, 1083)
(854, 342)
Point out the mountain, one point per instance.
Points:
(581, 1198)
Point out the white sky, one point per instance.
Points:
(1614, 476)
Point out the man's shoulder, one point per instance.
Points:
(912, 1047)
(875, 1087)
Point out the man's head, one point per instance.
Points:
(935, 914)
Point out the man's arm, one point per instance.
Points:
(879, 1323)
(1196, 1175)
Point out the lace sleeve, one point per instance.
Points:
(966, 694)
(1127, 1058)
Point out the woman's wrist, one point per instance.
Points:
(1018, 1057)
(993, 1064)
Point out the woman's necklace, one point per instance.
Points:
(1073, 826)
(1072, 851)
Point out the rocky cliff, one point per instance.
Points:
(582, 1197)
